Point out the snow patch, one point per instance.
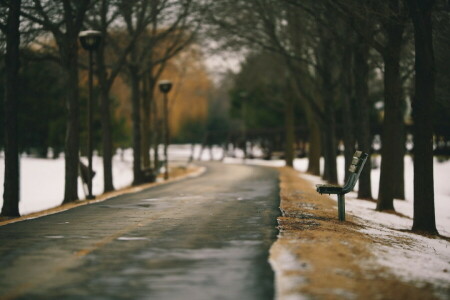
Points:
(286, 265)
(411, 257)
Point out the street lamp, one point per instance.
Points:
(165, 86)
(90, 40)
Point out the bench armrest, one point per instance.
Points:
(328, 189)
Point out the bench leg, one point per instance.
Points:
(341, 207)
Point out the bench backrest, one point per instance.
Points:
(358, 161)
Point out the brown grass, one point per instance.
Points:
(333, 258)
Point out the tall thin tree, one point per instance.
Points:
(102, 17)
(424, 215)
(11, 194)
(64, 20)
(173, 35)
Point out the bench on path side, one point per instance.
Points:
(358, 161)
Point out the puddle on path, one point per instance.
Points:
(132, 238)
(54, 236)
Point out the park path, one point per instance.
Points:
(201, 238)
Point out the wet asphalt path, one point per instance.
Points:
(200, 238)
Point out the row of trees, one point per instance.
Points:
(313, 62)
(139, 38)
(42, 117)
(324, 57)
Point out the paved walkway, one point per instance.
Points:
(200, 238)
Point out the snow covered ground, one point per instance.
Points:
(42, 180)
(413, 257)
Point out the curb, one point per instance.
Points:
(191, 172)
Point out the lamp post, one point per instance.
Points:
(165, 86)
(90, 40)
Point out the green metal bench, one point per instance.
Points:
(359, 159)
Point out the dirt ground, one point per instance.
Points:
(318, 257)
(175, 173)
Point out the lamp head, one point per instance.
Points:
(90, 39)
(165, 86)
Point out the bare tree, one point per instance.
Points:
(64, 20)
(167, 43)
(424, 216)
(111, 58)
(393, 138)
(273, 26)
(382, 26)
(361, 76)
(361, 20)
(11, 194)
(165, 26)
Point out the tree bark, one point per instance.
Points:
(348, 124)
(328, 69)
(147, 100)
(156, 135)
(107, 141)
(65, 28)
(424, 215)
(11, 193)
(136, 120)
(393, 145)
(314, 152)
(145, 123)
(330, 168)
(361, 75)
(329, 131)
(69, 56)
(289, 131)
(105, 104)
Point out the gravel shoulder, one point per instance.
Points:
(318, 257)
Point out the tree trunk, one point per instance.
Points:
(147, 99)
(329, 128)
(69, 55)
(11, 193)
(361, 75)
(289, 131)
(166, 136)
(393, 145)
(424, 215)
(145, 123)
(348, 128)
(330, 168)
(327, 51)
(314, 152)
(107, 143)
(156, 135)
(136, 120)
